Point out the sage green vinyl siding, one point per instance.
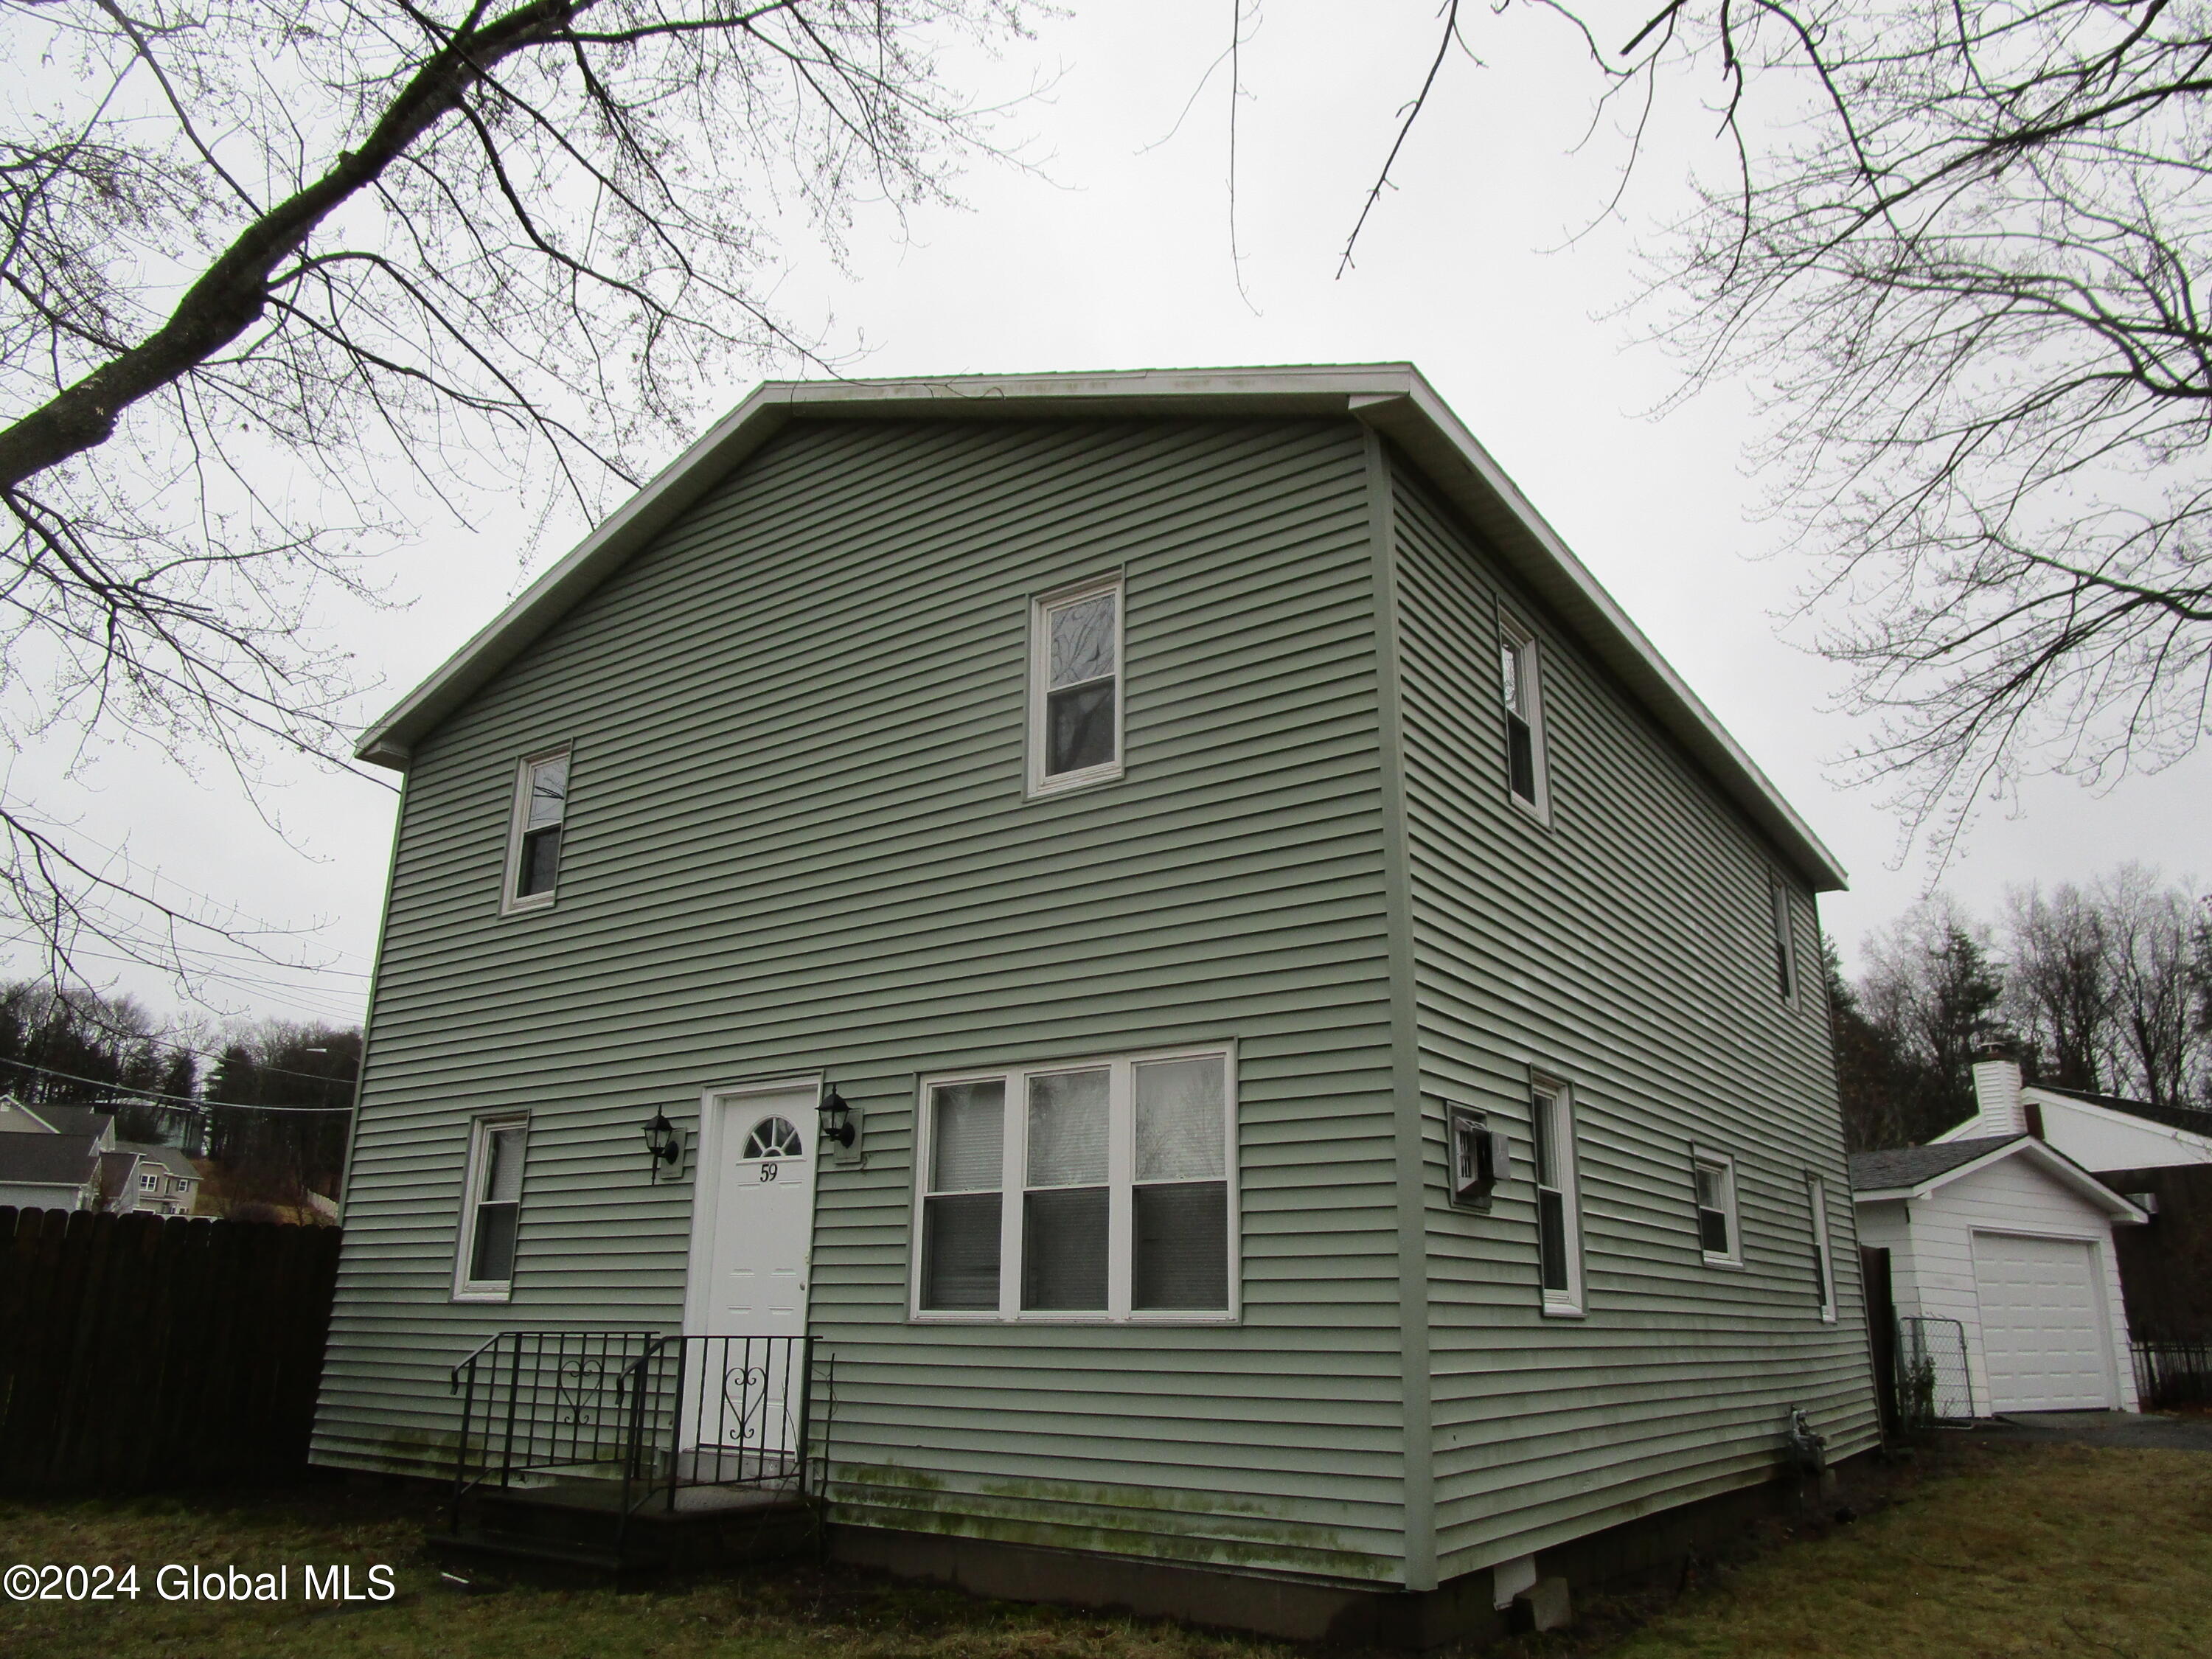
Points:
(796, 842)
(1627, 947)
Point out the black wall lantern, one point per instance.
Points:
(837, 1118)
(666, 1141)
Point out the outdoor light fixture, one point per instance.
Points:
(666, 1142)
(837, 1118)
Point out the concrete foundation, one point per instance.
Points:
(1337, 1613)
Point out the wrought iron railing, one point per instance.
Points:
(2170, 1373)
(717, 1411)
(622, 1417)
(538, 1404)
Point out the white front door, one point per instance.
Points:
(753, 1227)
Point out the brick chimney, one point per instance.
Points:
(1996, 1092)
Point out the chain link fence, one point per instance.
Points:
(1933, 1383)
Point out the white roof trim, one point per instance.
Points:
(2048, 1098)
(1392, 398)
(2049, 1159)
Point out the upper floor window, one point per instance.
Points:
(150, 1183)
(1558, 1210)
(1717, 1238)
(1785, 941)
(1520, 685)
(1099, 1190)
(541, 807)
(491, 1210)
(1075, 687)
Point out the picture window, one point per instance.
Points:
(1100, 1190)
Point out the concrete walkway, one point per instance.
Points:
(2165, 1432)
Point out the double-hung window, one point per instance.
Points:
(1824, 1261)
(491, 1210)
(1101, 1190)
(533, 847)
(1718, 1234)
(1559, 1220)
(1075, 687)
(1520, 686)
(149, 1182)
(1785, 944)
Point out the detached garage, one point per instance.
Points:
(2013, 1242)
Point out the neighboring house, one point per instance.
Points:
(2011, 1241)
(1343, 1093)
(16, 1118)
(2097, 1132)
(164, 1182)
(130, 1176)
(96, 1125)
(2157, 1156)
(49, 1171)
(118, 1181)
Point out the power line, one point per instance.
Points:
(128, 1040)
(261, 923)
(185, 1101)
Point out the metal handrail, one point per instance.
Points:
(687, 1427)
(557, 1428)
(663, 1412)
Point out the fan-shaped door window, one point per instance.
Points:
(774, 1137)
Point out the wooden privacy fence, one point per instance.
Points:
(140, 1351)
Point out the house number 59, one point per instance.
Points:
(768, 1172)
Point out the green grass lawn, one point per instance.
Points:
(2007, 1551)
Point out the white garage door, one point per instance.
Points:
(2043, 1340)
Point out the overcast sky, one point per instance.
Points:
(1112, 251)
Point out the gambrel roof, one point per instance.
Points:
(1392, 398)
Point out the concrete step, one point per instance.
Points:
(480, 1546)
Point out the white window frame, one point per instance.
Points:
(1730, 1209)
(1121, 1170)
(1040, 686)
(149, 1181)
(1512, 632)
(1783, 912)
(518, 816)
(1824, 1252)
(473, 1175)
(1551, 1096)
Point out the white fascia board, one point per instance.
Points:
(2048, 1159)
(2064, 1103)
(1392, 398)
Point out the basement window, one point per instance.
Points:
(491, 1211)
(1075, 687)
(533, 850)
(1717, 1233)
(1098, 1190)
